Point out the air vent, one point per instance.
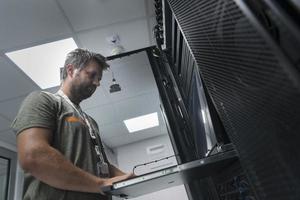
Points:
(156, 149)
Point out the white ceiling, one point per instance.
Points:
(26, 23)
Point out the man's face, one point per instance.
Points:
(86, 80)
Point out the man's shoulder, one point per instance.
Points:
(41, 99)
(52, 95)
(42, 96)
(39, 109)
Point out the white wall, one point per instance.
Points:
(111, 155)
(136, 153)
(19, 172)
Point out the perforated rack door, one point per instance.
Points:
(253, 84)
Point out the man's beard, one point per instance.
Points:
(82, 92)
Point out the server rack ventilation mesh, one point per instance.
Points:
(255, 97)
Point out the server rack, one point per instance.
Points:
(244, 54)
(179, 74)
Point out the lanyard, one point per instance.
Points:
(80, 113)
(102, 166)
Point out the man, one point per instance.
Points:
(58, 144)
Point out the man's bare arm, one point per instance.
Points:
(44, 162)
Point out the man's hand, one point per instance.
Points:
(115, 179)
(110, 181)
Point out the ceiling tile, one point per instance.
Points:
(8, 137)
(10, 108)
(97, 99)
(140, 58)
(30, 21)
(104, 114)
(4, 124)
(139, 73)
(13, 82)
(154, 131)
(129, 92)
(113, 130)
(137, 106)
(94, 13)
(141, 80)
(131, 39)
(118, 141)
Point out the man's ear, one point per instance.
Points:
(70, 70)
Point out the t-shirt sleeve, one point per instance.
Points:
(37, 110)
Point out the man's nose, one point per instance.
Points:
(96, 82)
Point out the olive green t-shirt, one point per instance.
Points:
(70, 137)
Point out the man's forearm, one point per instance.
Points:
(37, 157)
(51, 167)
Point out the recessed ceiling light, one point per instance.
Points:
(42, 63)
(142, 122)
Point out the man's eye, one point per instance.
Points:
(93, 76)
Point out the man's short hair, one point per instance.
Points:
(79, 58)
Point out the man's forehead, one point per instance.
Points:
(93, 65)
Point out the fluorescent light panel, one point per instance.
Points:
(142, 122)
(42, 63)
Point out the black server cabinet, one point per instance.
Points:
(247, 56)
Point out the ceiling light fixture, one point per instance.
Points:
(114, 87)
(142, 122)
(42, 63)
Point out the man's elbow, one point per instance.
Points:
(29, 160)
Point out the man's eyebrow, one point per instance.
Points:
(94, 73)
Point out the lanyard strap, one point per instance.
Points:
(85, 118)
(80, 113)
